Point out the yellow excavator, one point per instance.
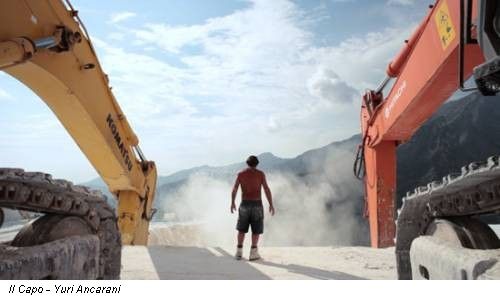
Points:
(44, 45)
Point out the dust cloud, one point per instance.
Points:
(322, 207)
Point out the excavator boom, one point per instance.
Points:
(431, 66)
(427, 74)
(44, 45)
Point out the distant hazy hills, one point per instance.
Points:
(461, 132)
(337, 156)
(310, 163)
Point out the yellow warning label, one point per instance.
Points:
(445, 26)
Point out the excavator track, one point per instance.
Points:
(91, 248)
(473, 191)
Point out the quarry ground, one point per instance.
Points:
(175, 255)
(170, 262)
(183, 252)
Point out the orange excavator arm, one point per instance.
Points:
(431, 66)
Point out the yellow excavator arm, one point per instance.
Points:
(44, 45)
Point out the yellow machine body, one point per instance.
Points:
(45, 46)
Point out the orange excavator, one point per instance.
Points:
(45, 46)
(456, 40)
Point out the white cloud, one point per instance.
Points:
(36, 127)
(4, 95)
(118, 17)
(256, 72)
(328, 86)
(361, 61)
(401, 2)
(211, 93)
(145, 86)
(117, 36)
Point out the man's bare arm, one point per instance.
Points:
(233, 194)
(269, 196)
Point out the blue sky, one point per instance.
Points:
(210, 82)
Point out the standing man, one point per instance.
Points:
(250, 212)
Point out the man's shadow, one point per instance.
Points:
(305, 270)
(312, 272)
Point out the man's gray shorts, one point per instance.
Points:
(251, 213)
